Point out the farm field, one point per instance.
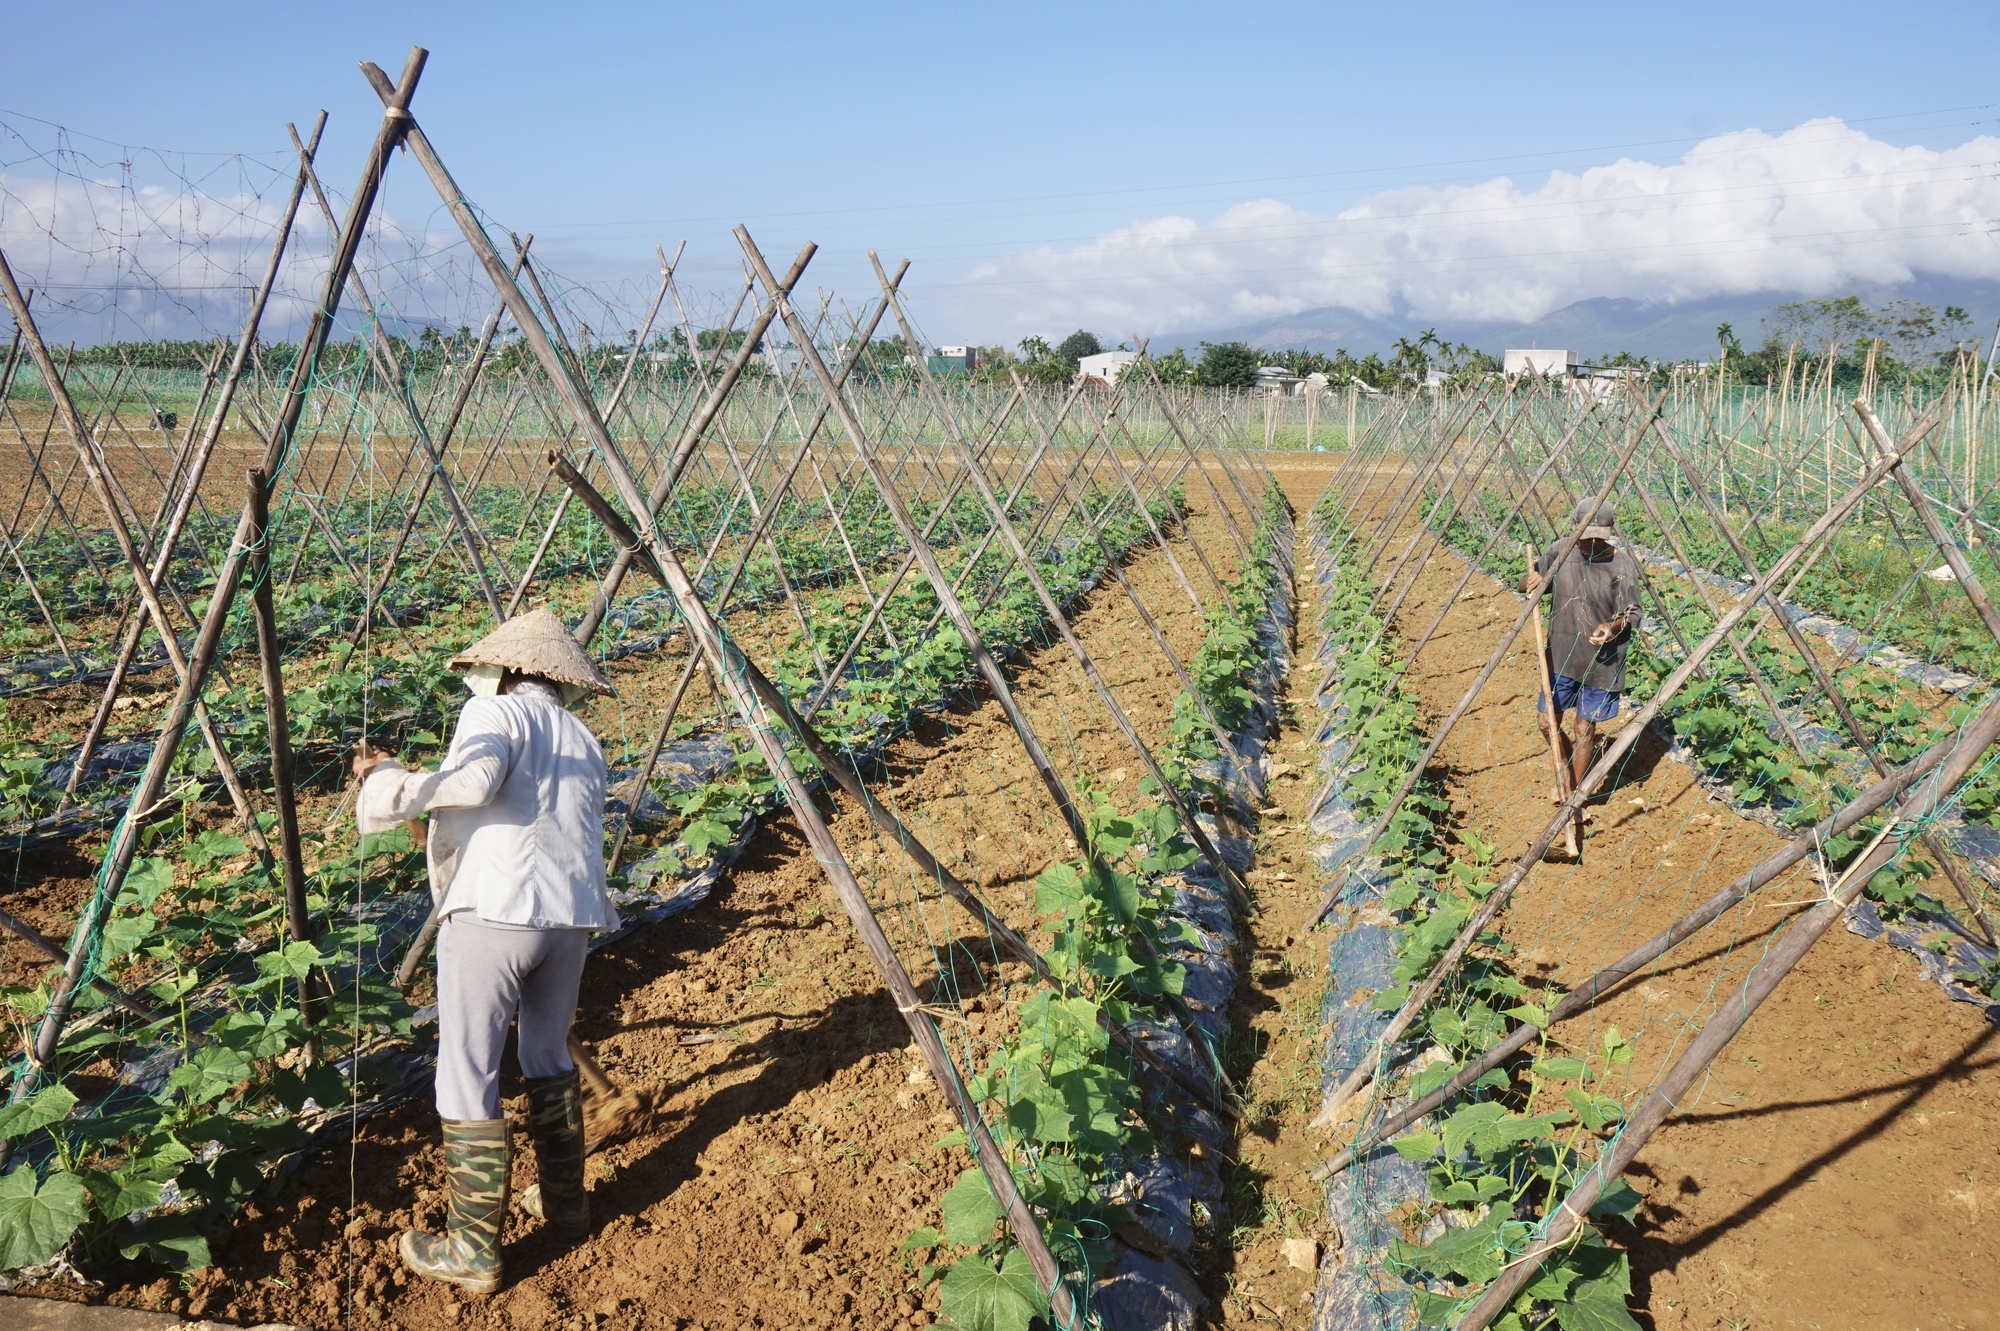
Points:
(225, 1113)
(796, 1142)
(1084, 850)
(1808, 1151)
(1844, 1144)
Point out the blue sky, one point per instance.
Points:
(1008, 149)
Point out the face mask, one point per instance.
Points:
(572, 694)
(483, 680)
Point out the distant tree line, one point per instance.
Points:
(1908, 342)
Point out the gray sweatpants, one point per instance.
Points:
(486, 973)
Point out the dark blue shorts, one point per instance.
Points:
(1590, 704)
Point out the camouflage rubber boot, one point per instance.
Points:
(475, 1166)
(555, 1121)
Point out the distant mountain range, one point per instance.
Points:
(1669, 330)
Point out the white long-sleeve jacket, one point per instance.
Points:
(517, 832)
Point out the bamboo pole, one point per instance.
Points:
(721, 651)
(1554, 732)
(1605, 765)
(278, 729)
(152, 781)
(1732, 1014)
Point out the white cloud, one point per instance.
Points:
(1815, 208)
(167, 248)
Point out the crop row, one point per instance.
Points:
(239, 1067)
(1722, 719)
(1487, 1171)
(1129, 924)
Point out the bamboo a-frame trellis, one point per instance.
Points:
(1391, 492)
(706, 483)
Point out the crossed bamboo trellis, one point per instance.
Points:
(802, 457)
(1404, 485)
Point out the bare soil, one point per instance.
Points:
(1838, 1166)
(796, 1146)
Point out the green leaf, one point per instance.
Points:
(1563, 1069)
(1123, 894)
(1552, 1284)
(259, 1036)
(212, 846)
(37, 1216)
(1436, 1309)
(117, 1196)
(211, 1073)
(1596, 1305)
(970, 1209)
(293, 961)
(1459, 1128)
(1472, 1253)
(1058, 890)
(922, 1238)
(395, 841)
(147, 878)
(1511, 1129)
(704, 834)
(1417, 1145)
(978, 1297)
(1043, 1116)
(51, 1104)
(1617, 1049)
(169, 1240)
(1432, 1077)
(123, 934)
(1620, 1199)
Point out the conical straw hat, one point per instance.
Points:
(535, 643)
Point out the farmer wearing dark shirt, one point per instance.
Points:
(1596, 608)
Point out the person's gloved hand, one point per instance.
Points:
(1606, 631)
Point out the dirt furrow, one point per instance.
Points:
(797, 1145)
(1834, 1168)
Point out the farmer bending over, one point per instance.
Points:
(1595, 610)
(516, 854)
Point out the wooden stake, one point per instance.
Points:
(152, 781)
(1605, 765)
(1570, 841)
(726, 662)
(278, 729)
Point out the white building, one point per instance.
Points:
(1105, 366)
(1554, 364)
(1277, 381)
(955, 360)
